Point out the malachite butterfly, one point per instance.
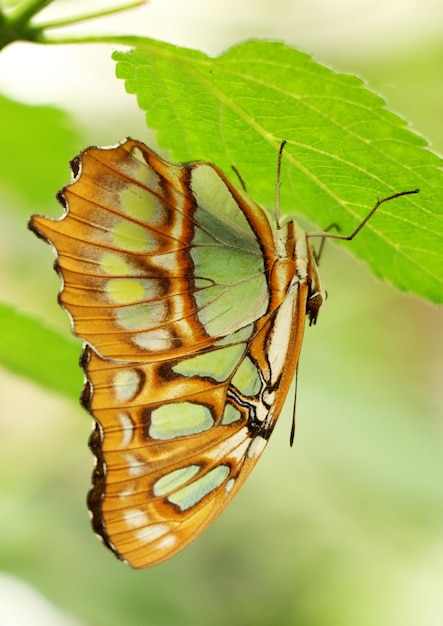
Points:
(192, 309)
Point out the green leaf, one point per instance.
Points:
(31, 349)
(37, 143)
(345, 149)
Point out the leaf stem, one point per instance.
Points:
(124, 40)
(26, 10)
(16, 24)
(68, 21)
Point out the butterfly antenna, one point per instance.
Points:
(325, 234)
(277, 184)
(240, 178)
(319, 253)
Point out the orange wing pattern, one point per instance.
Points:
(192, 312)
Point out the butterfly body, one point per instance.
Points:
(192, 309)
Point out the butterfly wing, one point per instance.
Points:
(172, 277)
(146, 270)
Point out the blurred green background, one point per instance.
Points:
(346, 528)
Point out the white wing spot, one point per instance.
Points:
(257, 446)
(135, 467)
(261, 412)
(268, 397)
(135, 517)
(125, 384)
(156, 340)
(167, 542)
(151, 533)
(127, 429)
(230, 484)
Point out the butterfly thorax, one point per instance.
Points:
(296, 262)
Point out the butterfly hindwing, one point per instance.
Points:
(192, 311)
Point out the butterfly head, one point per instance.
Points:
(316, 293)
(313, 305)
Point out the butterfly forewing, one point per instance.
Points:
(193, 312)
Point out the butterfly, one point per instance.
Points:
(192, 310)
